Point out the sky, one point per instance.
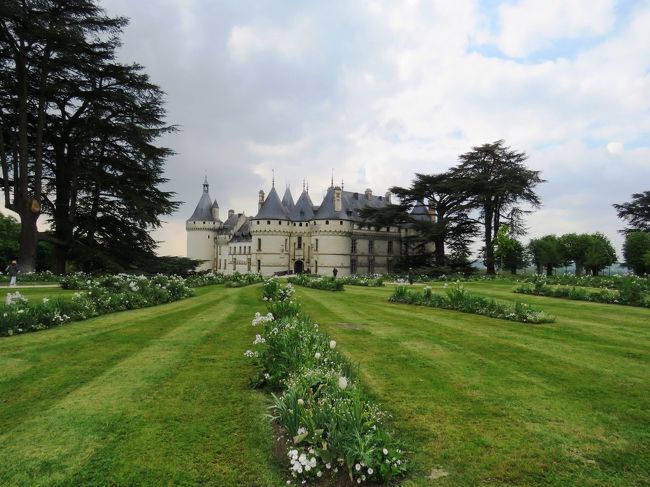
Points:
(375, 91)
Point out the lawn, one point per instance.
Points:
(36, 293)
(160, 396)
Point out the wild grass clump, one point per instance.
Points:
(322, 283)
(630, 292)
(330, 426)
(97, 297)
(457, 298)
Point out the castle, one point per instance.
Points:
(293, 237)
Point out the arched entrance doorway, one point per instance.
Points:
(298, 267)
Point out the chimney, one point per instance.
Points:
(260, 201)
(387, 197)
(337, 198)
(231, 213)
(368, 193)
(215, 212)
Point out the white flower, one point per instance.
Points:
(385, 451)
(343, 383)
(370, 471)
(332, 344)
(317, 355)
(319, 474)
(328, 466)
(357, 467)
(301, 402)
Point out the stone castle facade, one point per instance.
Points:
(292, 237)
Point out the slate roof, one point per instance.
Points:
(420, 212)
(303, 210)
(215, 204)
(351, 203)
(203, 210)
(287, 200)
(243, 234)
(231, 221)
(272, 208)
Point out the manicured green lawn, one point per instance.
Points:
(36, 293)
(492, 402)
(157, 396)
(160, 396)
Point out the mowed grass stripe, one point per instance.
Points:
(491, 410)
(163, 413)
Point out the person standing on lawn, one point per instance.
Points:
(12, 270)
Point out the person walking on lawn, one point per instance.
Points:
(12, 270)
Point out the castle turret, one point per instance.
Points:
(201, 228)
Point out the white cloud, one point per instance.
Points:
(247, 40)
(531, 25)
(615, 147)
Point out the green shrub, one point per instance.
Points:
(331, 427)
(457, 298)
(323, 283)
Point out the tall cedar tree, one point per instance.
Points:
(85, 155)
(636, 212)
(452, 228)
(498, 182)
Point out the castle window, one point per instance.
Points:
(389, 266)
(354, 246)
(259, 265)
(316, 247)
(390, 246)
(249, 249)
(280, 223)
(249, 265)
(300, 224)
(316, 265)
(208, 237)
(327, 222)
(268, 222)
(204, 223)
(299, 242)
(286, 245)
(371, 246)
(258, 222)
(259, 244)
(341, 222)
(371, 266)
(353, 266)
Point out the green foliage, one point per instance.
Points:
(629, 291)
(573, 248)
(332, 427)
(457, 298)
(636, 212)
(100, 296)
(600, 254)
(9, 232)
(318, 282)
(546, 253)
(362, 280)
(509, 252)
(636, 250)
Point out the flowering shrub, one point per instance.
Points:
(371, 280)
(630, 293)
(331, 427)
(230, 280)
(99, 296)
(324, 283)
(45, 276)
(457, 298)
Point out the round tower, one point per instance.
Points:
(201, 230)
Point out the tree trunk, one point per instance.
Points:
(579, 269)
(28, 241)
(489, 245)
(549, 270)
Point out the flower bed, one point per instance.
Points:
(363, 280)
(458, 299)
(330, 426)
(630, 293)
(30, 277)
(323, 283)
(100, 296)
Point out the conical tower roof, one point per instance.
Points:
(272, 208)
(203, 210)
(303, 210)
(287, 200)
